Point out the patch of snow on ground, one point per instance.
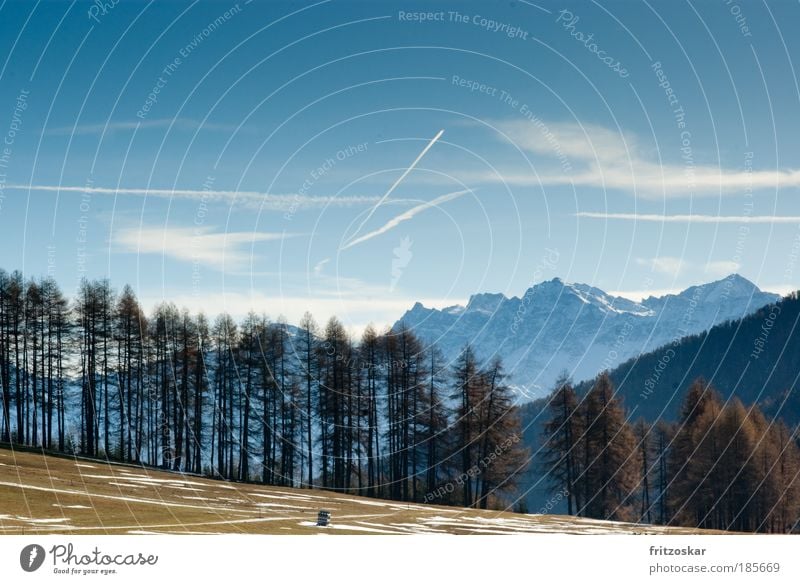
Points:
(396, 527)
(53, 520)
(158, 502)
(403, 507)
(361, 528)
(282, 497)
(145, 479)
(279, 505)
(483, 531)
(416, 528)
(368, 503)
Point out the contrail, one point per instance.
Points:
(761, 219)
(394, 222)
(397, 182)
(250, 199)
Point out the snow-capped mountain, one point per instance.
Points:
(556, 326)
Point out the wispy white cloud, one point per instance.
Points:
(780, 289)
(592, 155)
(318, 267)
(656, 218)
(721, 268)
(675, 266)
(221, 251)
(639, 295)
(662, 265)
(356, 311)
(405, 216)
(249, 199)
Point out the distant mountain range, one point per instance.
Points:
(556, 326)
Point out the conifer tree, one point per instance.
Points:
(610, 472)
(562, 434)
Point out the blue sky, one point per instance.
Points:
(238, 155)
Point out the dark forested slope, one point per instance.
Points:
(756, 359)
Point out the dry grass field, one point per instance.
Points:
(48, 494)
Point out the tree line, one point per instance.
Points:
(256, 400)
(721, 465)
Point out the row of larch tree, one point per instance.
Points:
(254, 400)
(721, 465)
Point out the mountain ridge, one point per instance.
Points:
(577, 327)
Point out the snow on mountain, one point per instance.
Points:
(558, 326)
